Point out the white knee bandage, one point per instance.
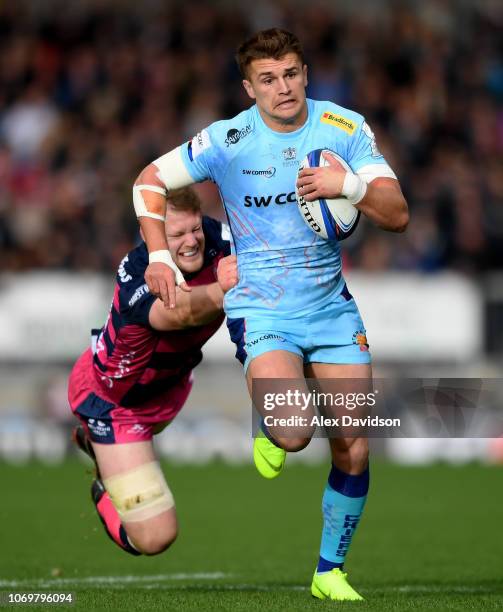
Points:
(141, 493)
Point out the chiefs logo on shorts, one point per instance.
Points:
(360, 338)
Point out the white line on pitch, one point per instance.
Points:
(109, 580)
(162, 582)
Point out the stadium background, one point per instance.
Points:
(91, 91)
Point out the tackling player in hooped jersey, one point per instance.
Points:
(139, 375)
(291, 314)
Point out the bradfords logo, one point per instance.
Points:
(268, 173)
(234, 136)
(339, 121)
(304, 208)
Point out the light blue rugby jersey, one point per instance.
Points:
(285, 270)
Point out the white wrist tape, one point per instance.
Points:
(164, 257)
(139, 203)
(354, 188)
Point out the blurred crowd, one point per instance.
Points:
(91, 91)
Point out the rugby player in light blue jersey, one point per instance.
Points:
(291, 314)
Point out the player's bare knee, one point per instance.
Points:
(150, 540)
(293, 445)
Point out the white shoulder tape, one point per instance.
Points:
(172, 170)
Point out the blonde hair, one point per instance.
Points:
(183, 199)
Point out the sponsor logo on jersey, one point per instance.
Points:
(265, 337)
(99, 428)
(123, 275)
(265, 200)
(366, 129)
(138, 294)
(198, 144)
(234, 135)
(137, 428)
(339, 121)
(268, 173)
(360, 338)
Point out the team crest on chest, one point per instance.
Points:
(289, 157)
(289, 153)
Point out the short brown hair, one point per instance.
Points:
(184, 199)
(274, 43)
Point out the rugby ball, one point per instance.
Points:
(331, 219)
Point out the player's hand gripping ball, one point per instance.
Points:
(332, 219)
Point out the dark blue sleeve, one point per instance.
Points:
(135, 299)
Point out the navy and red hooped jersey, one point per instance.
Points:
(134, 362)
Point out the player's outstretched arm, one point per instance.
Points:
(149, 197)
(381, 200)
(202, 305)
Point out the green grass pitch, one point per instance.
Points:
(431, 539)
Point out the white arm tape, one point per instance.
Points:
(172, 170)
(354, 188)
(372, 171)
(139, 203)
(164, 256)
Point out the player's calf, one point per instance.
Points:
(110, 518)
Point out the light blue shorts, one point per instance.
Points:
(334, 334)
